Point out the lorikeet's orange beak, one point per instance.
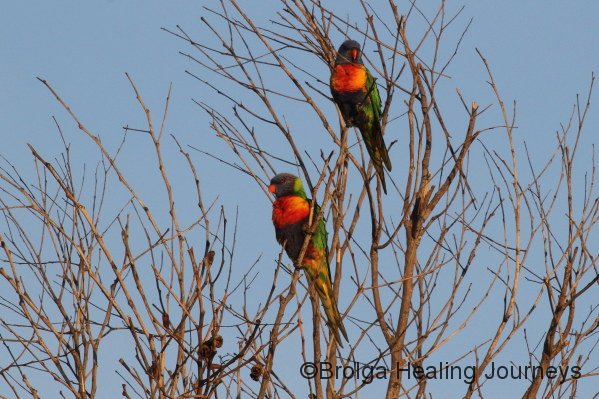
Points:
(354, 54)
(272, 188)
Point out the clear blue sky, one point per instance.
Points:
(542, 54)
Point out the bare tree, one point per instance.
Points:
(415, 270)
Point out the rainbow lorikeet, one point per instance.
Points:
(290, 214)
(357, 96)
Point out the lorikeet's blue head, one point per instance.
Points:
(286, 184)
(349, 53)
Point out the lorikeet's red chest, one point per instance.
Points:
(349, 78)
(289, 210)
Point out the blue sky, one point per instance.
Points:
(542, 55)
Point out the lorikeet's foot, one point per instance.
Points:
(305, 228)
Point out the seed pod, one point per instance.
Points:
(210, 258)
(256, 372)
(217, 342)
(206, 351)
(166, 322)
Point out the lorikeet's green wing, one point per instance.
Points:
(375, 97)
(371, 129)
(319, 272)
(320, 239)
(321, 236)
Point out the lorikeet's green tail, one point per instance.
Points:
(334, 318)
(373, 138)
(324, 288)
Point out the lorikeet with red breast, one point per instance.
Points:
(290, 214)
(357, 96)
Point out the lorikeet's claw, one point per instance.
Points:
(305, 228)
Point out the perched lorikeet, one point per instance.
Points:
(355, 92)
(290, 214)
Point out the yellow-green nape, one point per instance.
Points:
(297, 184)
